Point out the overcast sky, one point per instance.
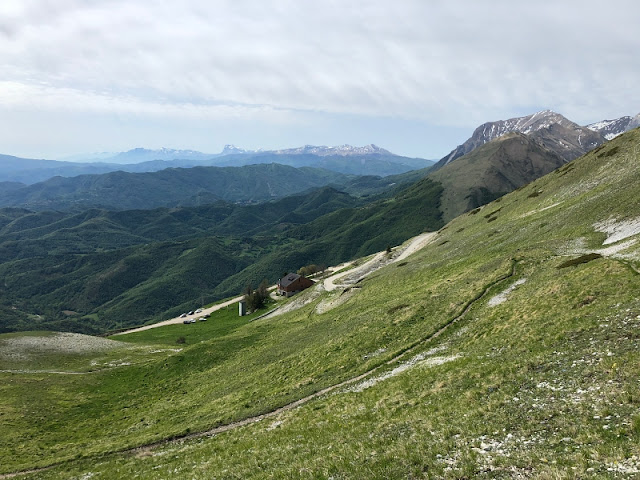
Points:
(413, 76)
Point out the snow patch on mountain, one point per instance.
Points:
(612, 128)
(341, 150)
(549, 126)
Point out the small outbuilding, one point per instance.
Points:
(293, 283)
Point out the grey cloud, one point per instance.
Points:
(456, 62)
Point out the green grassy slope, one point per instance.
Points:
(523, 362)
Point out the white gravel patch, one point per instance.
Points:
(418, 360)
(504, 295)
(615, 249)
(23, 347)
(618, 230)
(579, 247)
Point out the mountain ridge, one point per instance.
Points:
(491, 170)
(367, 160)
(169, 187)
(551, 129)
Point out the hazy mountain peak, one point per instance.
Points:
(341, 150)
(231, 149)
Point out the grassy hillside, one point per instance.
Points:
(492, 170)
(506, 348)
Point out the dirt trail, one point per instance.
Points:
(362, 270)
(417, 243)
(204, 312)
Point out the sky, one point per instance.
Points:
(412, 76)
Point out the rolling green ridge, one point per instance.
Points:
(505, 348)
(377, 164)
(134, 265)
(139, 160)
(169, 187)
(150, 265)
(491, 170)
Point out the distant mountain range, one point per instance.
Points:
(138, 155)
(367, 160)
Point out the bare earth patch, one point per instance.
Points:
(502, 296)
(418, 360)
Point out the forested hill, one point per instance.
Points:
(169, 188)
(99, 270)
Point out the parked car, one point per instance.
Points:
(186, 322)
(193, 320)
(202, 319)
(198, 310)
(183, 315)
(190, 313)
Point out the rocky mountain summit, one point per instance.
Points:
(554, 131)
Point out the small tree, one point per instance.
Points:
(308, 270)
(256, 298)
(263, 289)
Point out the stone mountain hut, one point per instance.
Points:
(293, 283)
